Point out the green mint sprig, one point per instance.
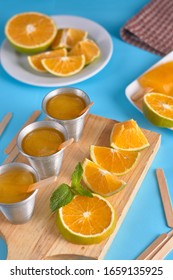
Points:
(65, 193)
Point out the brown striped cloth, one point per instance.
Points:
(152, 28)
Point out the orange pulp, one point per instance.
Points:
(160, 78)
(14, 183)
(43, 141)
(65, 106)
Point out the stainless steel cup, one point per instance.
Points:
(19, 212)
(74, 126)
(46, 166)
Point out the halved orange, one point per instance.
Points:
(88, 48)
(30, 32)
(86, 220)
(64, 66)
(99, 180)
(128, 136)
(68, 37)
(116, 161)
(158, 109)
(35, 60)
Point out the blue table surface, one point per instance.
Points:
(145, 219)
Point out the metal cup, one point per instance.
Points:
(19, 212)
(74, 126)
(46, 166)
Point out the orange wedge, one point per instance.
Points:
(64, 66)
(30, 32)
(116, 161)
(68, 37)
(100, 180)
(128, 136)
(158, 109)
(88, 48)
(86, 220)
(35, 60)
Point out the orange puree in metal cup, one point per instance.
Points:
(65, 106)
(42, 141)
(13, 184)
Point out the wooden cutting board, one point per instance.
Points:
(39, 238)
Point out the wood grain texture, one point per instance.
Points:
(39, 238)
(159, 248)
(164, 249)
(31, 119)
(12, 155)
(166, 200)
(4, 122)
(150, 251)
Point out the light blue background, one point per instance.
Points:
(145, 219)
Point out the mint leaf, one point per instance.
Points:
(60, 197)
(64, 193)
(76, 179)
(77, 175)
(79, 189)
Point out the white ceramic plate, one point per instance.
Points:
(135, 86)
(16, 65)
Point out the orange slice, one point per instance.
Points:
(64, 66)
(116, 161)
(88, 48)
(35, 60)
(100, 180)
(86, 220)
(158, 109)
(30, 32)
(68, 37)
(128, 136)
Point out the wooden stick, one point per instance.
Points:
(152, 251)
(86, 108)
(42, 183)
(31, 119)
(5, 122)
(12, 155)
(21, 158)
(140, 93)
(165, 248)
(165, 197)
(152, 248)
(66, 143)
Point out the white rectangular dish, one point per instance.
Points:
(134, 87)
